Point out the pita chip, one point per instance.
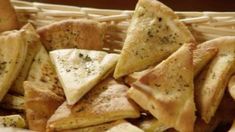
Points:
(104, 103)
(40, 104)
(155, 32)
(13, 50)
(212, 81)
(167, 91)
(76, 33)
(80, 70)
(32, 39)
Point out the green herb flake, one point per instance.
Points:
(87, 58)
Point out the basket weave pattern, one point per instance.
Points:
(204, 25)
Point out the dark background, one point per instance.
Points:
(177, 5)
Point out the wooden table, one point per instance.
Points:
(178, 5)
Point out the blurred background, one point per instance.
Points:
(178, 5)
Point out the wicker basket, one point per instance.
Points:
(204, 25)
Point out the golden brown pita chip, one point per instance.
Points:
(40, 104)
(212, 81)
(104, 103)
(168, 92)
(13, 50)
(43, 71)
(32, 39)
(154, 33)
(79, 33)
(8, 18)
(80, 70)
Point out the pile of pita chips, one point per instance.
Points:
(67, 86)
(24, 58)
(16, 57)
(43, 91)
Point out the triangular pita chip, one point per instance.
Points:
(104, 103)
(40, 104)
(80, 70)
(43, 71)
(116, 126)
(212, 81)
(168, 90)
(154, 33)
(13, 50)
(79, 33)
(32, 39)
